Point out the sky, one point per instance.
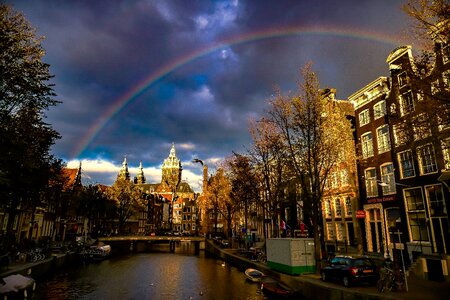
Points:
(135, 76)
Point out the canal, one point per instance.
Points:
(157, 275)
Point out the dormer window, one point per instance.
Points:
(402, 79)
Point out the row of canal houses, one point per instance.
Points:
(171, 206)
(393, 201)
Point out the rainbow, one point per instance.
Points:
(120, 103)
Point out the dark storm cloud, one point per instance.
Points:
(100, 50)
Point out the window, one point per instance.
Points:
(334, 180)
(416, 214)
(371, 182)
(446, 78)
(445, 145)
(436, 200)
(405, 160)
(406, 103)
(419, 95)
(364, 117)
(443, 117)
(421, 127)
(400, 134)
(388, 179)
(348, 206)
(330, 232)
(339, 231)
(427, 159)
(402, 79)
(379, 109)
(435, 87)
(327, 205)
(344, 177)
(384, 141)
(367, 145)
(337, 208)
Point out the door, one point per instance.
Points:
(376, 230)
(438, 217)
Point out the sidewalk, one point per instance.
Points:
(424, 289)
(417, 288)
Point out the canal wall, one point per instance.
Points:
(308, 286)
(41, 268)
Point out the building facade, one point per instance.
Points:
(377, 180)
(340, 199)
(421, 134)
(403, 134)
(171, 202)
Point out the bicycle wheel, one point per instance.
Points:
(380, 285)
(389, 284)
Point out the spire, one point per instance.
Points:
(140, 178)
(172, 151)
(78, 176)
(171, 169)
(124, 173)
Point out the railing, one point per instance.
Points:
(152, 238)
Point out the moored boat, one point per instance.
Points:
(254, 275)
(95, 252)
(274, 287)
(17, 286)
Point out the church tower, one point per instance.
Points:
(140, 178)
(171, 170)
(123, 173)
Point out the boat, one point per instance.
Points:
(98, 251)
(17, 286)
(254, 275)
(273, 287)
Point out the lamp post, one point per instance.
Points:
(197, 210)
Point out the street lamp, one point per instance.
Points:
(197, 210)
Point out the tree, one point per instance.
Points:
(244, 186)
(421, 84)
(312, 129)
(93, 204)
(25, 93)
(270, 157)
(217, 197)
(427, 16)
(127, 198)
(430, 77)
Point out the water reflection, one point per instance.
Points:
(151, 276)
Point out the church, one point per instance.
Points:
(172, 202)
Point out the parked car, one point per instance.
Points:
(217, 240)
(350, 270)
(224, 243)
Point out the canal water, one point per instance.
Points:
(158, 276)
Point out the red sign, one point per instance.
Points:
(382, 199)
(360, 214)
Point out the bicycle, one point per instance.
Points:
(36, 255)
(390, 279)
(261, 257)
